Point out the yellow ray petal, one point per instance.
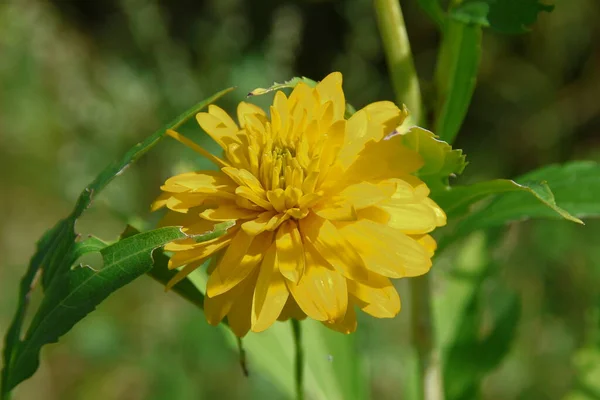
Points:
(218, 125)
(376, 297)
(187, 142)
(347, 324)
(372, 122)
(330, 89)
(188, 269)
(385, 250)
(270, 294)
(216, 308)
(259, 224)
(226, 212)
(199, 251)
(246, 109)
(239, 317)
(200, 182)
(332, 246)
(290, 251)
(291, 310)
(365, 194)
(321, 293)
(242, 256)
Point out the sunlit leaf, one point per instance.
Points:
(575, 188)
(75, 292)
(439, 159)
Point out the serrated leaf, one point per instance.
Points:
(53, 255)
(440, 160)
(77, 291)
(505, 16)
(575, 187)
(456, 200)
(455, 77)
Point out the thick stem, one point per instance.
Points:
(398, 55)
(299, 365)
(430, 374)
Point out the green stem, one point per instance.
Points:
(398, 55)
(299, 365)
(430, 374)
(406, 87)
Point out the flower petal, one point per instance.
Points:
(290, 251)
(377, 296)
(270, 294)
(219, 126)
(330, 89)
(385, 250)
(324, 236)
(239, 317)
(321, 293)
(243, 254)
(347, 324)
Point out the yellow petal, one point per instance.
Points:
(347, 324)
(291, 310)
(226, 212)
(372, 122)
(199, 182)
(385, 250)
(246, 109)
(243, 254)
(321, 293)
(218, 125)
(381, 160)
(290, 251)
(216, 308)
(270, 294)
(259, 224)
(365, 194)
(160, 202)
(332, 246)
(330, 89)
(239, 317)
(336, 210)
(200, 251)
(376, 297)
(180, 275)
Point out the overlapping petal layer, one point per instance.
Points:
(324, 211)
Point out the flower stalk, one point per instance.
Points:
(399, 57)
(299, 359)
(406, 87)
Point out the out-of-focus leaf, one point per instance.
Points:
(575, 187)
(439, 159)
(434, 10)
(54, 250)
(456, 74)
(332, 370)
(505, 16)
(473, 346)
(77, 291)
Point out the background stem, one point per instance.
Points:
(406, 86)
(299, 365)
(398, 55)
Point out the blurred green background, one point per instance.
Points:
(82, 81)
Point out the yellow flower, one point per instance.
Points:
(324, 211)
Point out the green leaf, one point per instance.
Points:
(505, 16)
(456, 74)
(456, 200)
(333, 366)
(440, 160)
(77, 291)
(434, 10)
(575, 187)
(53, 255)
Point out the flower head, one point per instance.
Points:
(323, 211)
